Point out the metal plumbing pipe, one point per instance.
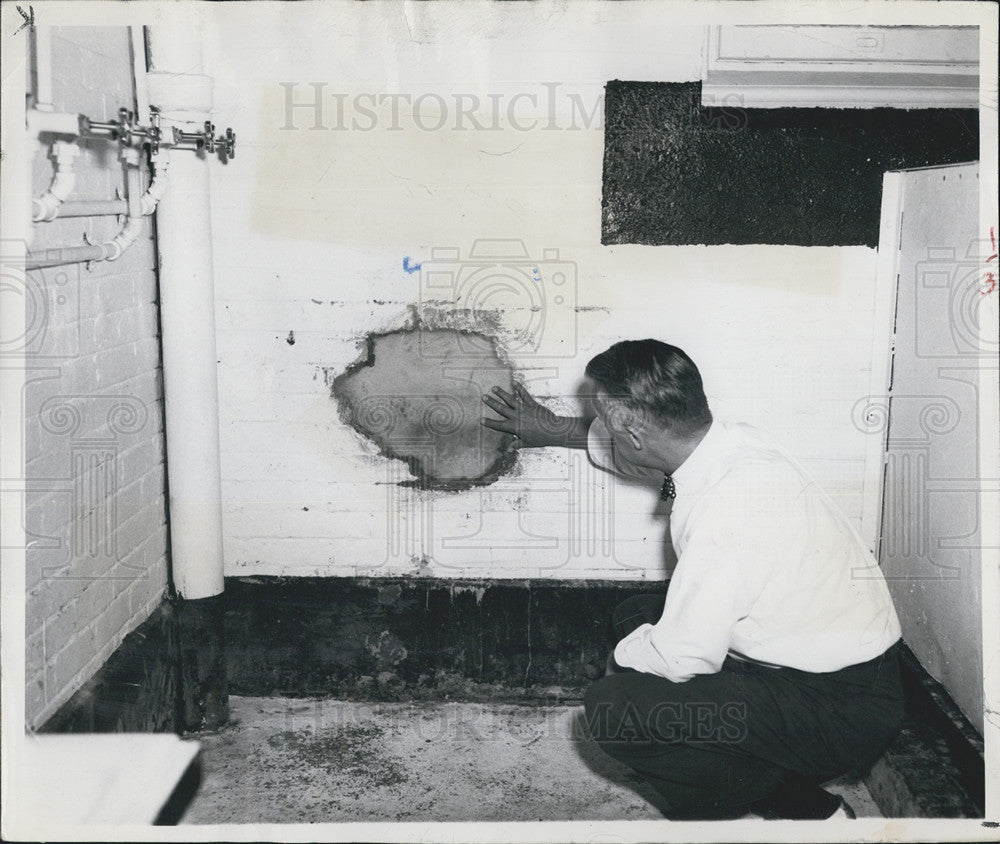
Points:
(158, 186)
(119, 207)
(65, 255)
(134, 225)
(56, 123)
(46, 207)
(44, 120)
(113, 249)
(126, 237)
(94, 208)
(110, 250)
(133, 181)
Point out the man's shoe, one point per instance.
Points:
(844, 810)
(799, 800)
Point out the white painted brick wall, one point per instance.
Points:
(310, 232)
(97, 560)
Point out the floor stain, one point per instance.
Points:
(319, 760)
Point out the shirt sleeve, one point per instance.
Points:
(720, 573)
(602, 453)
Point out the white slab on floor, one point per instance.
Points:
(106, 778)
(317, 760)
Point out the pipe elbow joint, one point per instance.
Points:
(124, 239)
(66, 153)
(158, 188)
(46, 207)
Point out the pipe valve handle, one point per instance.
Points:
(126, 123)
(229, 144)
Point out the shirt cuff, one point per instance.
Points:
(631, 652)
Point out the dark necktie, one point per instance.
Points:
(667, 491)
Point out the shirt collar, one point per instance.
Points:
(696, 471)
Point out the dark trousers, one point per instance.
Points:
(718, 743)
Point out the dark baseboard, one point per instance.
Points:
(356, 638)
(935, 767)
(410, 638)
(167, 676)
(203, 702)
(135, 691)
(933, 707)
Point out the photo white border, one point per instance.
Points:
(15, 177)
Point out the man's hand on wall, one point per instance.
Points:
(532, 424)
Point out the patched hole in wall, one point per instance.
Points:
(417, 393)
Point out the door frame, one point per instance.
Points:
(872, 414)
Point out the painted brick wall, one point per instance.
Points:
(95, 520)
(312, 229)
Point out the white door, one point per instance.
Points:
(929, 539)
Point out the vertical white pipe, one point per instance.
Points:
(137, 41)
(187, 318)
(43, 68)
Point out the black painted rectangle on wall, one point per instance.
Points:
(676, 172)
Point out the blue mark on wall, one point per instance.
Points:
(408, 267)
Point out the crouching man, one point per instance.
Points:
(771, 666)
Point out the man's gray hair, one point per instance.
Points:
(656, 379)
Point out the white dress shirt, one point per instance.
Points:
(768, 567)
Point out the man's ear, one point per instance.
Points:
(632, 428)
(618, 417)
(624, 420)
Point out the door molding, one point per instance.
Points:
(871, 413)
(837, 66)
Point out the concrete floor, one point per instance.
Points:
(317, 760)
